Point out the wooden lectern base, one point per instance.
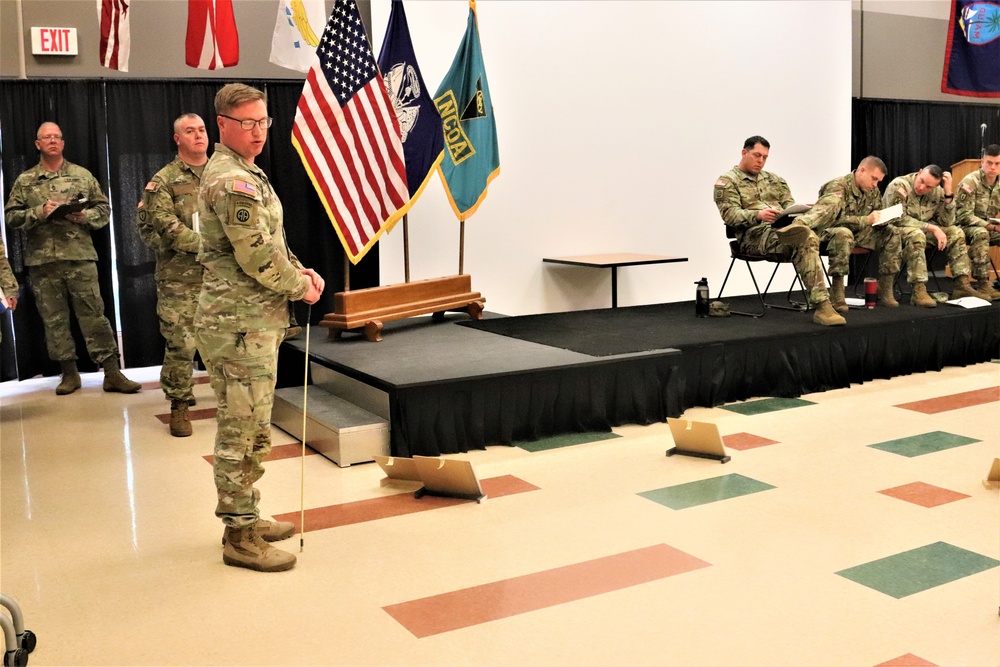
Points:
(369, 308)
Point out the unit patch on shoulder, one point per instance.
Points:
(243, 214)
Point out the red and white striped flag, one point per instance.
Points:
(347, 135)
(212, 41)
(112, 15)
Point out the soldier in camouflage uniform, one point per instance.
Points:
(749, 200)
(165, 222)
(61, 259)
(250, 276)
(845, 216)
(976, 202)
(8, 283)
(929, 216)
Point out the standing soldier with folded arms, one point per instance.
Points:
(165, 220)
(62, 261)
(243, 312)
(977, 208)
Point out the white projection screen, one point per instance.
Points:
(614, 121)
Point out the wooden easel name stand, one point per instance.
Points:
(370, 308)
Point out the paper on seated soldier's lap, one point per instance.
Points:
(786, 216)
(888, 214)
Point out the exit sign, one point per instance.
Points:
(53, 41)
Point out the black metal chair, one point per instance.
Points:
(748, 258)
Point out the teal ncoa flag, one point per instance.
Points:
(463, 100)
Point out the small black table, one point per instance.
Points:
(613, 261)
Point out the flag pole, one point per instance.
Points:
(347, 273)
(406, 245)
(461, 247)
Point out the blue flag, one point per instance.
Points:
(463, 100)
(972, 56)
(419, 123)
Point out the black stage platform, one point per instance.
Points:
(457, 384)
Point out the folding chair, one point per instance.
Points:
(777, 258)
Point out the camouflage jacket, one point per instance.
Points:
(975, 201)
(250, 274)
(918, 210)
(739, 196)
(7, 281)
(842, 203)
(164, 219)
(54, 240)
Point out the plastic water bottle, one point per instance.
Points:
(701, 298)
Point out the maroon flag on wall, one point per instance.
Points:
(348, 137)
(972, 55)
(212, 41)
(115, 37)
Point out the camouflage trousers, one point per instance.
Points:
(176, 304)
(840, 241)
(242, 369)
(979, 239)
(915, 241)
(805, 258)
(60, 287)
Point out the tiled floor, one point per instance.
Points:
(852, 530)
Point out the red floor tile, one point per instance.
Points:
(501, 599)
(278, 452)
(193, 415)
(925, 495)
(399, 504)
(932, 406)
(743, 441)
(908, 660)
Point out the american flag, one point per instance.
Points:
(115, 33)
(347, 135)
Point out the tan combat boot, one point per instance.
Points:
(70, 378)
(245, 548)
(963, 287)
(794, 234)
(837, 299)
(180, 422)
(985, 287)
(886, 291)
(920, 297)
(827, 316)
(115, 381)
(271, 531)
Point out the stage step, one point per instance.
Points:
(338, 429)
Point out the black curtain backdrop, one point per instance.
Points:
(910, 135)
(77, 106)
(122, 131)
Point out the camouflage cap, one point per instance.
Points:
(718, 309)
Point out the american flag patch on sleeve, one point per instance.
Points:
(245, 188)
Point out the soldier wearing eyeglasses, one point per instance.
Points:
(62, 261)
(243, 312)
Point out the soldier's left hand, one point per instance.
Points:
(12, 303)
(77, 217)
(315, 278)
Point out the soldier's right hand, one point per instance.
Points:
(49, 207)
(312, 296)
(767, 215)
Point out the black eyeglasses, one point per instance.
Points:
(248, 123)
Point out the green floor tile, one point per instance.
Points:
(919, 569)
(705, 491)
(766, 405)
(925, 443)
(565, 440)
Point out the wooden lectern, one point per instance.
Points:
(960, 170)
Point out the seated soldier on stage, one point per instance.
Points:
(749, 201)
(977, 210)
(929, 216)
(845, 216)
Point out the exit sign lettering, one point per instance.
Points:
(53, 41)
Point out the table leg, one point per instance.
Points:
(614, 286)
